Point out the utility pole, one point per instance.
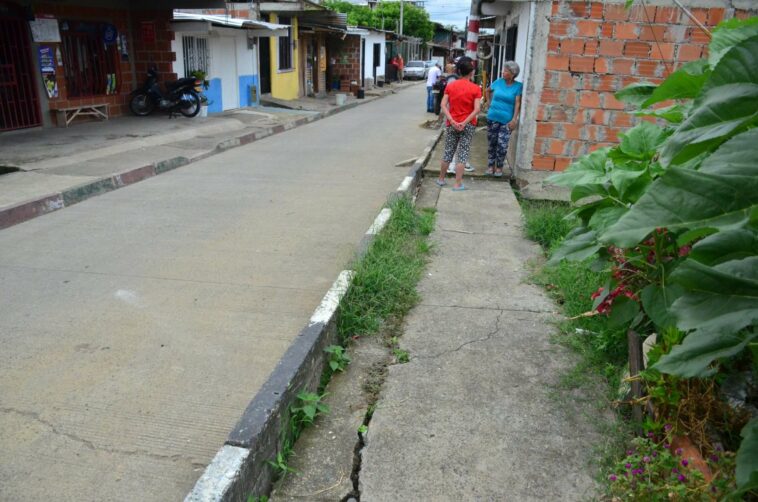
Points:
(401, 17)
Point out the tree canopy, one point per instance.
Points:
(416, 22)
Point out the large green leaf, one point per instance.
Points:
(684, 83)
(589, 169)
(721, 112)
(581, 243)
(657, 300)
(580, 192)
(641, 141)
(674, 114)
(726, 246)
(684, 199)
(747, 457)
(728, 34)
(630, 184)
(699, 349)
(739, 65)
(735, 157)
(723, 192)
(636, 93)
(718, 298)
(605, 217)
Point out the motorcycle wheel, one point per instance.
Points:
(191, 107)
(141, 105)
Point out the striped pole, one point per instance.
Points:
(472, 39)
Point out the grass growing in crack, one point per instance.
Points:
(602, 348)
(384, 284)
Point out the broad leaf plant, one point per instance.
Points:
(674, 209)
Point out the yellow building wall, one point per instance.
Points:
(285, 84)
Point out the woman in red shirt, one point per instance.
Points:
(460, 104)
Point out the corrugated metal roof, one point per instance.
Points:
(232, 22)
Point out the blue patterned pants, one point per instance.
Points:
(498, 136)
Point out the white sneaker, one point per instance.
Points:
(469, 168)
(451, 170)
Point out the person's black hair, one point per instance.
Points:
(464, 66)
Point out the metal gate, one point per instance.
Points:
(19, 104)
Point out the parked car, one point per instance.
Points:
(415, 69)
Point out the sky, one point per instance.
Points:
(449, 11)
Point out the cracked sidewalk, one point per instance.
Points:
(470, 417)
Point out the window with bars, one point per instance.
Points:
(197, 57)
(285, 45)
(511, 34)
(91, 67)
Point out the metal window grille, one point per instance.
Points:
(196, 55)
(19, 106)
(285, 46)
(91, 67)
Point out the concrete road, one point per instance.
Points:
(136, 326)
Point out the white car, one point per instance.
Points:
(415, 69)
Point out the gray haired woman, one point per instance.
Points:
(504, 101)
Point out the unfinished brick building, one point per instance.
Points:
(575, 55)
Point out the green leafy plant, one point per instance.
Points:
(309, 407)
(674, 210)
(280, 464)
(338, 357)
(363, 429)
(401, 356)
(652, 471)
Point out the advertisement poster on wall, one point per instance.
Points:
(47, 69)
(45, 29)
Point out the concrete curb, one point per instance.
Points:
(18, 213)
(239, 468)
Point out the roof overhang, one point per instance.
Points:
(176, 4)
(205, 23)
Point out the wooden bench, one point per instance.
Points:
(68, 114)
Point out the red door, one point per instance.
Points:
(19, 104)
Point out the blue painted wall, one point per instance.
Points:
(246, 82)
(213, 92)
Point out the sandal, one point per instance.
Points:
(489, 172)
(460, 188)
(499, 173)
(440, 183)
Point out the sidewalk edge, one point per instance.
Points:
(256, 436)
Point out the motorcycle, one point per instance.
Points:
(179, 96)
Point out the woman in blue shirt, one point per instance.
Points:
(504, 101)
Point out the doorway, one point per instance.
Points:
(264, 58)
(377, 58)
(19, 104)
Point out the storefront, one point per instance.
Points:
(59, 60)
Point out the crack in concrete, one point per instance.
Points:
(92, 446)
(491, 234)
(533, 311)
(470, 342)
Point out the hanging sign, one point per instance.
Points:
(47, 69)
(45, 29)
(148, 32)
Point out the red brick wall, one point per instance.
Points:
(158, 53)
(596, 49)
(347, 56)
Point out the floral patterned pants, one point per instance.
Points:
(498, 136)
(458, 142)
